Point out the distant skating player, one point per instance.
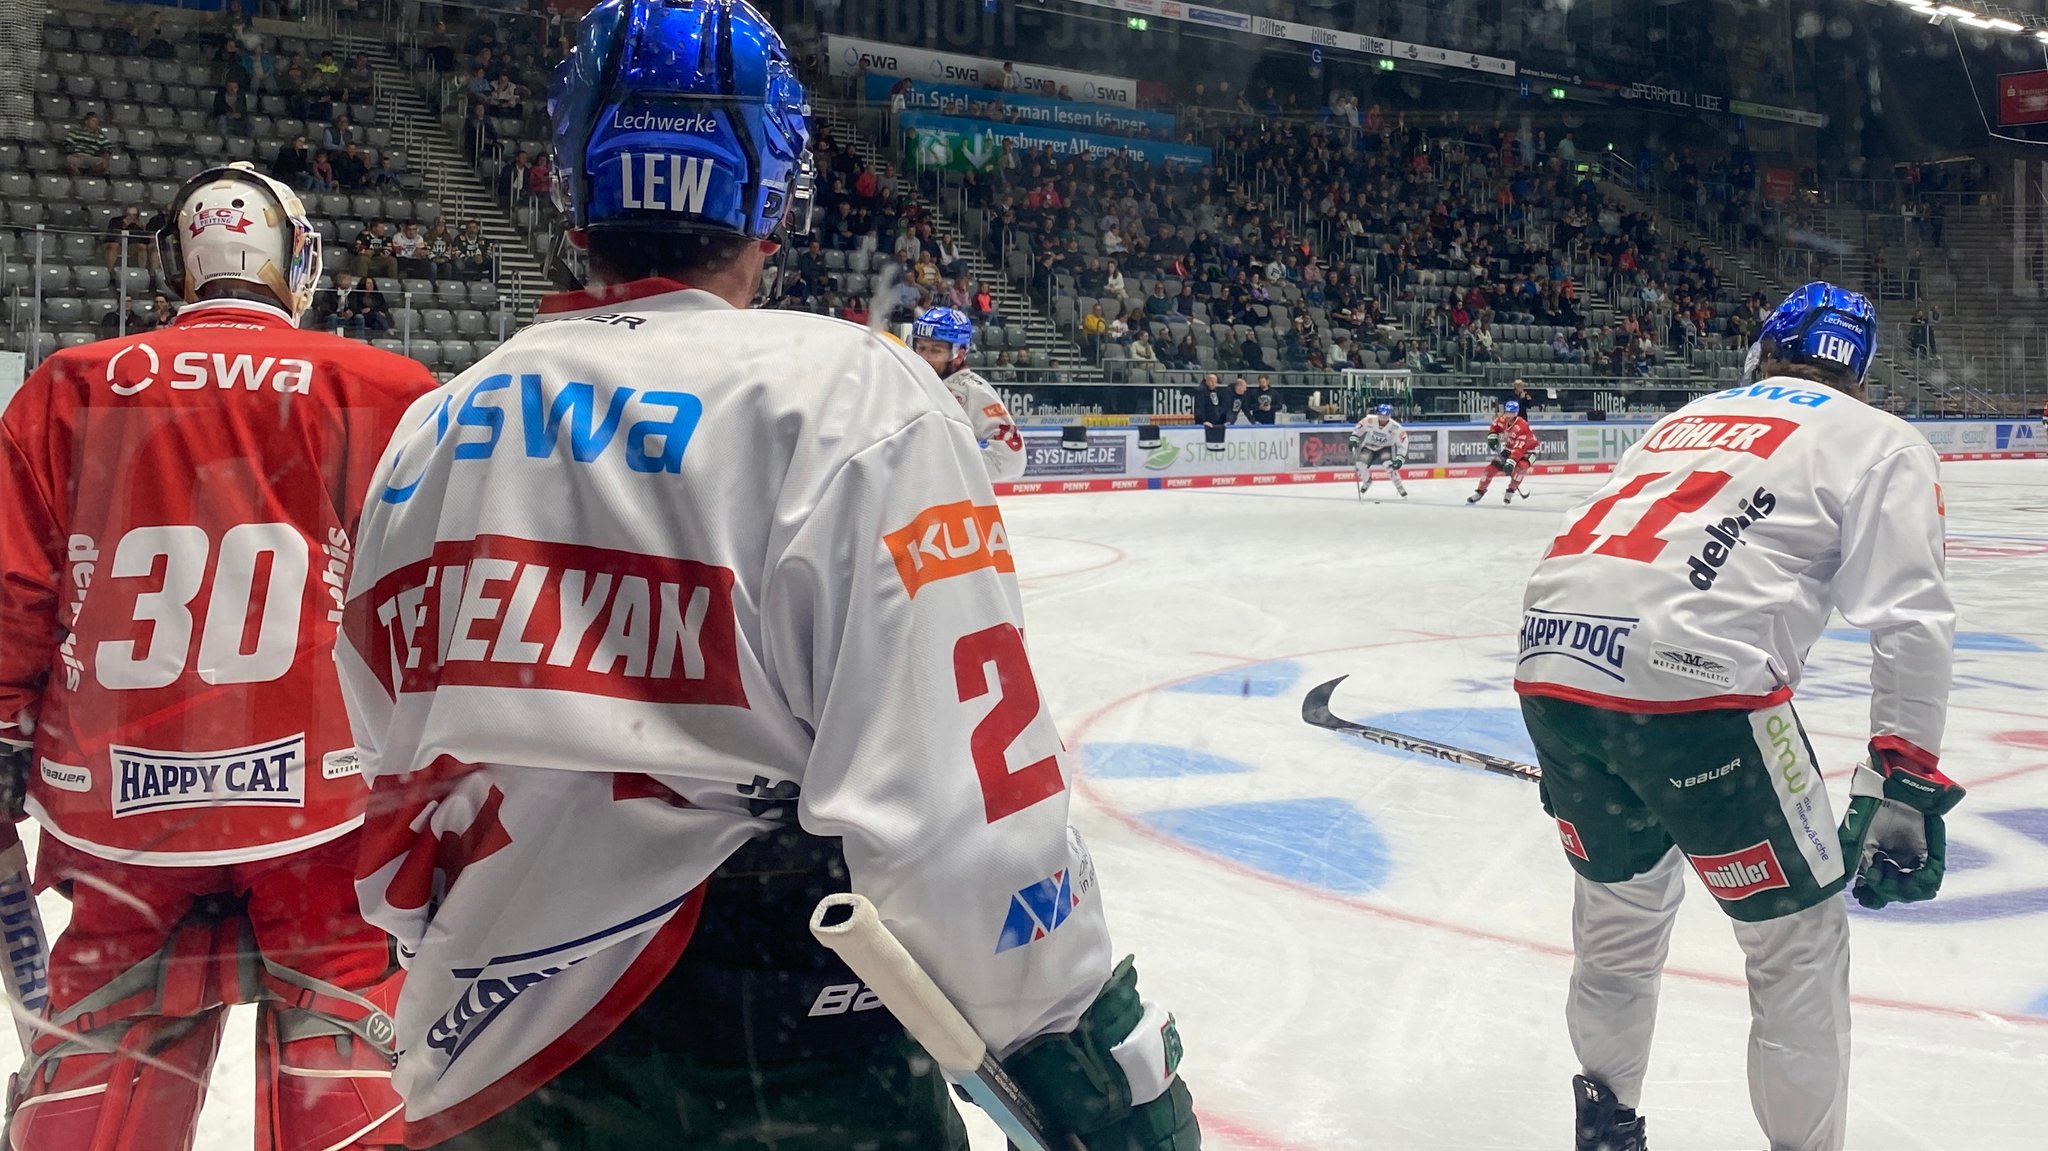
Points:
(671, 616)
(941, 337)
(1663, 635)
(1379, 440)
(1512, 443)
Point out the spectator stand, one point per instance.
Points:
(60, 274)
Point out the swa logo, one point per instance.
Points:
(1038, 910)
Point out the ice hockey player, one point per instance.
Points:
(1379, 440)
(732, 626)
(1663, 636)
(1512, 443)
(177, 511)
(941, 337)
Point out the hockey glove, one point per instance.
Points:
(1893, 836)
(1397, 463)
(1493, 442)
(1084, 1082)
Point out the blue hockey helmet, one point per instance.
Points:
(681, 115)
(1386, 409)
(1512, 407)
(1819, 324)
(946, 325)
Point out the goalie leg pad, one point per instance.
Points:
(321, 1085)
(142, 1096)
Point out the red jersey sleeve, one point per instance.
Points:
(31, 559)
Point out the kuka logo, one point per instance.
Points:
(949, 540)
(1741, 874)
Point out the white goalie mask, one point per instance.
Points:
(235, 223)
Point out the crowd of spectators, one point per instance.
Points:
(1399, 240)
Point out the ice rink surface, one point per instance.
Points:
(1368, 949)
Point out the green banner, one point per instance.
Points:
(945, 149)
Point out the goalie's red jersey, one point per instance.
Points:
(175, 519)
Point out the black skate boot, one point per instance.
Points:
(1603, 1123)
(1475, 497)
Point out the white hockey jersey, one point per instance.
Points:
(649, 578)
(1002, 446)
(1705, 568)
(1369, 435)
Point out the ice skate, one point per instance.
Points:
(1603, 1123)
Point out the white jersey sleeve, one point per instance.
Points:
(1372, 436)
(1002, 446)
(1893, 583)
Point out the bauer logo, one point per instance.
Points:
(1741, 874)
(65, 777)
(1038, 910)
(1595, 641)
(949, 540)
(260, 775)
(1756, 437)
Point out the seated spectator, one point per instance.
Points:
(1119, 330)
(86, 148)
(1113, 282)
(1251, 355)
(293, 164)
(1094, 329)
(1187, 356)
(129, 225)
(121, 39)
(373, 253)
(479, 136)
(385, 178)
(351, 168)
(440, 253)
(358, 80)
(231, 110)
(472, 252)
(320, 175)
(511, 182)
(159, 46)
(332, 309)
(369, 303)
(479, 86)
(159, 315)
(951, 260)
(1158, 305)
(338, 135)
(985, 305)
(505, 97)
(1141, 349)
(409, 248)
(328, 65)
(234, 65)
(540, 181)
(855, 311)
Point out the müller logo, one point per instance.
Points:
(232, 219)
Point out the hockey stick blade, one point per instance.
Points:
(1315, 710)
(849, 925)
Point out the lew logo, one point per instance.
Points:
(663, 181)
(1741, 874)
(1757, 437)
(230, 218)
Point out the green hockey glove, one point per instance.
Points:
(1493, 442)
(1111, 1082)
(1893, 837)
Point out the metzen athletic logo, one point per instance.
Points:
(1678, 661)
(1741, 874)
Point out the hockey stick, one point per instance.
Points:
(1315, 709)
(28, 949)
(848, 924)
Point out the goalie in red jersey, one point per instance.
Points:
(176, 517)
(1512, 443)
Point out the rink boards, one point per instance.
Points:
(1253, 455)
